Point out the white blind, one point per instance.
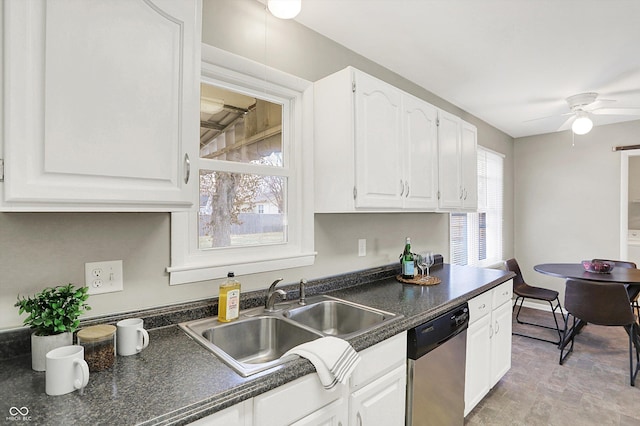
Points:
(476, 238)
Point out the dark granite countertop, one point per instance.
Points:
(176, 381)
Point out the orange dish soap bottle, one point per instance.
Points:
(229, 299)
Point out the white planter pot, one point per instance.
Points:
(40, 345)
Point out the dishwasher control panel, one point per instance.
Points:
(428, 336)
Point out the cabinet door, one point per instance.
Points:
(501, 342)
(104, 113)
(334, 414)
(382, 402)
(477, 374)
(421, 154)
(378, 147)
(449, 151)
(469, 152)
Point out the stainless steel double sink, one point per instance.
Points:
(258, 340)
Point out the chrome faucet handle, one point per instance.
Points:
(271, 299)
(273, 285)
(302, 300)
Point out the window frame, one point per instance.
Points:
(191, 264)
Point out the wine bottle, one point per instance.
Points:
(407, 261)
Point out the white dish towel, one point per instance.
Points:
(333, 358)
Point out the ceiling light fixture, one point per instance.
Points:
(284, 9)
(582, 124)
(211, 105)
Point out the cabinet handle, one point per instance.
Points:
(461, 193)
(401, 188)
(408, 187)
(465, 194)
(359, 418)
(187, 168)
(497, 327)
(490, 331)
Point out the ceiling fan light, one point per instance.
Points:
(582, 125)
(284, 9)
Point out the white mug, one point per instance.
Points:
(131, 336)
(66, 370)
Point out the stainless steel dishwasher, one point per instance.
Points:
(436, 352)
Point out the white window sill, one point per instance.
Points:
(192, 273)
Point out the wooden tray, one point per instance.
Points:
(416, 280)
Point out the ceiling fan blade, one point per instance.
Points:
(598, 104)
(567, 124)
(622, 93)
(616, 111)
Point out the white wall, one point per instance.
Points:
(567, 198)
(46, 249)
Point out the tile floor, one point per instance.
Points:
(591, 388)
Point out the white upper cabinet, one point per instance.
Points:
(450, 154)
(378, 143)
(457, 147)
(421, 159)
(469, 152)
(101, 104)
(375, 146)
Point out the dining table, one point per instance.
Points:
(628, 276)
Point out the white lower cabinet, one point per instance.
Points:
(500, 342)
(488, 343)
(477, 374)
(375, 395)
(381, 402)
(378, 384)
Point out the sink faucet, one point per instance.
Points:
(271, 296)
(302, 300)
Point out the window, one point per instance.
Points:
(251, 206)
(248, 130)
(476, 238)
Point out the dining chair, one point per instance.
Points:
(630, 265)
(523, 291)
(604, 304)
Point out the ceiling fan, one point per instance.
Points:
(582, 106)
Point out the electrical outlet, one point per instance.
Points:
(362, 247)
(103, 277)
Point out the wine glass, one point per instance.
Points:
(420, 262)
(427, 259)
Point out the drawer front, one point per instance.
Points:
(379, 359)
(503, 293)
(293, 401)
(480, 306)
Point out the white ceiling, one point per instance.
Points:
(504, 61)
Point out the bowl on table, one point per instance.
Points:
(597, 266)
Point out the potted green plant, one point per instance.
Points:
(53, 317)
